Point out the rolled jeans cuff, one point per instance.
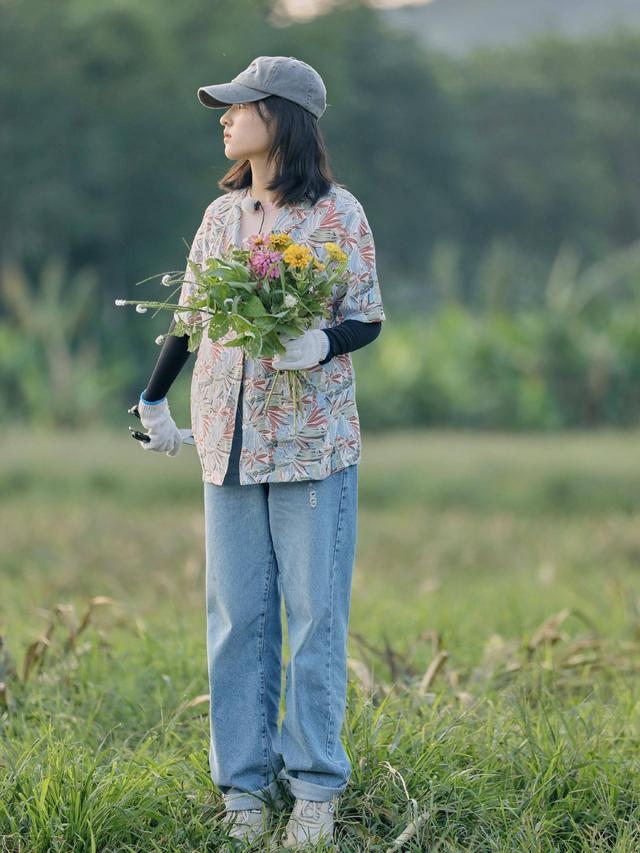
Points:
(251, 800)
(302, 790)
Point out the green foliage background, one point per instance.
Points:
(500, 188)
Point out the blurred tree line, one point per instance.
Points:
(492, 183)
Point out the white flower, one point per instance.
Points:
(121, 301)
(159, 339)
(289, 300)
(166, 280)
(141, 309)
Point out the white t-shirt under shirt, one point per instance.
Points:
(250, 223)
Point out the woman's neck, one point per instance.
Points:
(262, 173)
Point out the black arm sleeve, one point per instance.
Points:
(349, 336)
(172, 358)
(345, 337)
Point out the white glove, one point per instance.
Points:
(165, 435)
(304, 351)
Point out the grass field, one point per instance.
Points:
(494, 695)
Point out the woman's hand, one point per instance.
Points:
(304, 351)
(161, 428)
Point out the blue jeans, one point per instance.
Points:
(264, 540)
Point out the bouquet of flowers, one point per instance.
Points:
(268, 293)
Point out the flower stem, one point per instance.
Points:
(273, 385)
(294, 395)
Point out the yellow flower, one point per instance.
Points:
(297, 256)
(318, 265)
(335, 253)
(279, 242)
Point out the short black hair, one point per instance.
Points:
(298, 149)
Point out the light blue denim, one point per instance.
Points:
(263, 541)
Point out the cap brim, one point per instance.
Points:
(223, 94)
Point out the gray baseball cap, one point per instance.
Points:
(285, 76)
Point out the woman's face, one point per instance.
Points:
(246, 136)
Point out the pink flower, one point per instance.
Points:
(255, 241)
(265, 263)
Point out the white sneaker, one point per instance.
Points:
(246, 824)
(310, 821)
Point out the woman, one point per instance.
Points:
(280, 503)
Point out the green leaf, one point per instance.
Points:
(218, 326)
(265, 324)
(219, 272)
(253, 307)
(180, 328)
(238, 341)
(240, 324)
(254, 345)
(289, 329)
(240, 270)
(248, 286)
(194, 339)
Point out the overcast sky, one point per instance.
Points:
(302, 9)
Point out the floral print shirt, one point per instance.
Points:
(327, 433)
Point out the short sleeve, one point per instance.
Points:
(197, 254)
(362, 299)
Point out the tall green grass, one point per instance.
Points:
(493, 654)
